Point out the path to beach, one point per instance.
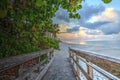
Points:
(60, 68)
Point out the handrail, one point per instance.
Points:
(13, 68)
(88, 77)
(106, 66)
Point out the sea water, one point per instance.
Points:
(106, 48)
(96, 45)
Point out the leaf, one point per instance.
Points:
(31, 17)
(38, 3)
(3, 13)
(73, 15)
(34, 27)
(19, 24)
(72, 2)
(80, 1)
(106, 1)
(9, 4)
(24, 17)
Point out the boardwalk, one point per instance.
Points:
(60, 69)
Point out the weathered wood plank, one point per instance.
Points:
(82, 70)
(41, 75)
(10, 62)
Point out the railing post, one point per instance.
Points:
(39, 59)
(73, 61)
(78, 70)
(90, 70)
(52, 53)
(69, 54)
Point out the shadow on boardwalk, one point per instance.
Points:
(60, 68)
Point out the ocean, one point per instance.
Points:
(96, 44)
(106, 48)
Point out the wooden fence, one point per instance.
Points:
(31, 66)
(98, 67)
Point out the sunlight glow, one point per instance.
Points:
(82, 33)
(82, 42)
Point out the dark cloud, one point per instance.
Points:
(96, 24)
(88, 11)
(73, 29)
(111, 28)
(61, 16)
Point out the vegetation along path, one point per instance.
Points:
(60, 69)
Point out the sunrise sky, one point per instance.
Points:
(98, 21)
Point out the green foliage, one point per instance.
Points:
(46, 42)
(10, 47)
(106, 1)
(43, 57)
(71, 15)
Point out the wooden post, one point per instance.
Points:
(90, 70)
(49, 55)
(21, 69)
(77, 59)
(39, 59)
(52, 53)
(72, 60)
(70, 56)
(78, 70)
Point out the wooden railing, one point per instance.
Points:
(26, 67)
(90, 66)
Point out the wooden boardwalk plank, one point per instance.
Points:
(60, 69)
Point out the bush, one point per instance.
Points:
(47, 42)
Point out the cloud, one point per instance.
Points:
(88, 11)
(82, 34)
(94, 32)
(111, 28)
(86, 34)
(61, 17)
(112, 25)
(93, 17)
(96, 24)
(63, 27)
(73, 29)
(109, 14)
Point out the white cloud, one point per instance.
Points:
(112, 16)
(109, 14)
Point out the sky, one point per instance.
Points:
(98, 21)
